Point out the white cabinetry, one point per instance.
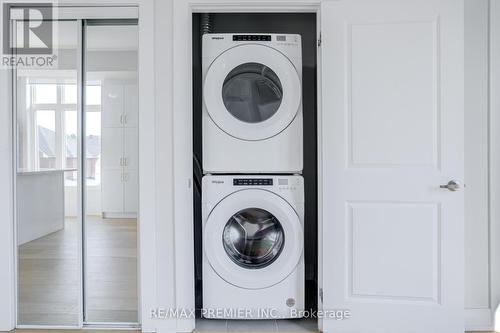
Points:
(112, 191)
(112, 104)
(119, 148)
(130, 190)
(130, 149)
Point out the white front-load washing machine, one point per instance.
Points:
(253, 262)
(252, 103)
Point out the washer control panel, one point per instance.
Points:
(217, 187)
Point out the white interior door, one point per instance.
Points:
(392, 133)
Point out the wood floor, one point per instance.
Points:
(49, 274)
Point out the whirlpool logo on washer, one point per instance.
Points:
(217, 182)
(219, 37)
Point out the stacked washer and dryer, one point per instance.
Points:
(252, 190)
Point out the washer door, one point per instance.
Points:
(253, 239)
(252, 92)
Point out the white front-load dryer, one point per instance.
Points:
(252, 103)
(253, 262)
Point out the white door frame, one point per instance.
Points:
(13, 87)
(183, 131)
(494, 163)
(146, 289)
(183, 135)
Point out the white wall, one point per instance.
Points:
(156, 148)
(476, 165)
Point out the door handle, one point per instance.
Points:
(452, 185)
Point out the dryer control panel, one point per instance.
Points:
(253, 182)
(214, 45)
(260, 38)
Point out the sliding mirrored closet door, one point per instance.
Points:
(76, 186)
(111, 170)
(47, 185)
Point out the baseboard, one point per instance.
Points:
(478, 320)
(106, 215)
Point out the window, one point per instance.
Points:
(53, 106)
(46, 137)
(93, 95)
(45, 94)
(71, 144)
(93, 146)
(69, 94)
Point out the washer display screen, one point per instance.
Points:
(252, 92)
(253, 238)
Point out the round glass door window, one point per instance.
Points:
(252, 92)
(253, 238)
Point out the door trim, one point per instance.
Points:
(183, 133)
(494, 162)
(112, 9)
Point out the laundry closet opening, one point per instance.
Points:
(269, 81)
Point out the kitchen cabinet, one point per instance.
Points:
(119, 147)
(112, 102)
(112, 191)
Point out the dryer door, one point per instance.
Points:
(253, 239)
(252, 92)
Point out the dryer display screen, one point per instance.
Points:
(260, 38)
(253, 182)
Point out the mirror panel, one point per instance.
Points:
(47, 187)
(111, 171)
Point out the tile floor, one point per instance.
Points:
(217, 325)
(292, 326)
